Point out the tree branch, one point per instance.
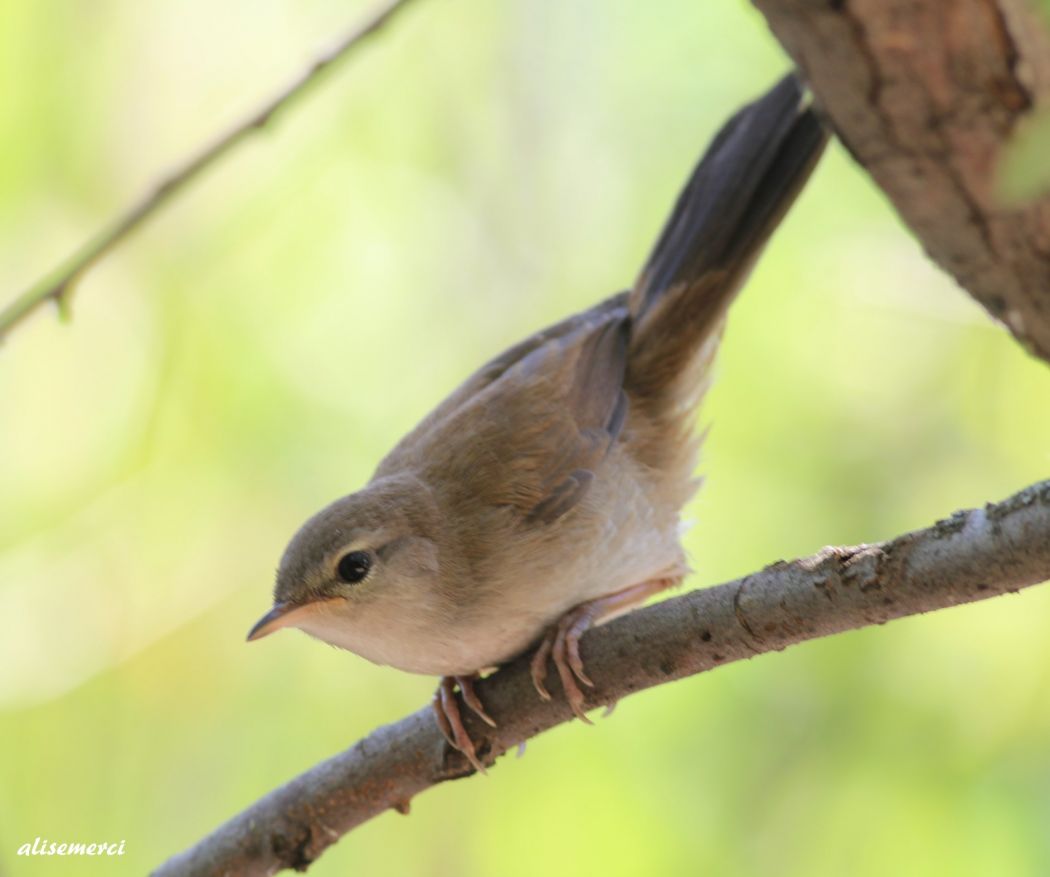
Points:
(58, 284)
(970, 556)
(925, 95)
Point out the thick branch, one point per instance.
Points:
(925, 94)
(969, 556)
(58, 284)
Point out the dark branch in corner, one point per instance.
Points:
(57, 286)
(925, 96)
(970, 556)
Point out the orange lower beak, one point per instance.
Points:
(273, 620)
(284, 614)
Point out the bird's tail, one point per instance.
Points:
(742, 187)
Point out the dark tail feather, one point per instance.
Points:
(744, 184)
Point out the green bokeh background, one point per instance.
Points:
(480, 170)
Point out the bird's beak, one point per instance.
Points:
(273, 620)
(285, 614)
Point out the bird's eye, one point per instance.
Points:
(353, 567)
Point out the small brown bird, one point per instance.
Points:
(544, 494)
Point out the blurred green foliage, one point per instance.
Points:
(1024, 171)
(480, 170)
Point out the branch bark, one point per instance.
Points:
(57, 285)
(970, 556)
(925, 95)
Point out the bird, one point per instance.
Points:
(544, 495)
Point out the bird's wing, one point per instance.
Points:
(492, 371)
(528, 429)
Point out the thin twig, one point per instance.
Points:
(970, 556)
(58, 284)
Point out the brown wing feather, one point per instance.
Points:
(491, 372)
(540, 416)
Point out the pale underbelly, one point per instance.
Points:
(413, 641)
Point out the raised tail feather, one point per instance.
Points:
(743, 185)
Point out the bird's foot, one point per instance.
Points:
(450, 719)
(561, 643)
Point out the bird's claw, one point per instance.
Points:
(450, 719)
(561, 644)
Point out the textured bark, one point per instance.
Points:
(970, 556)
(924, 94)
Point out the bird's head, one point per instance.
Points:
(375, 549)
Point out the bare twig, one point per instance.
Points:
(58, 285)
(925, 95)
(970, 556)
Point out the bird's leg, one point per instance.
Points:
(450, 720)
(562, 640)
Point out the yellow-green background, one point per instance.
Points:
(481, 169)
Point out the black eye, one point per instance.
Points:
(353, 567)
